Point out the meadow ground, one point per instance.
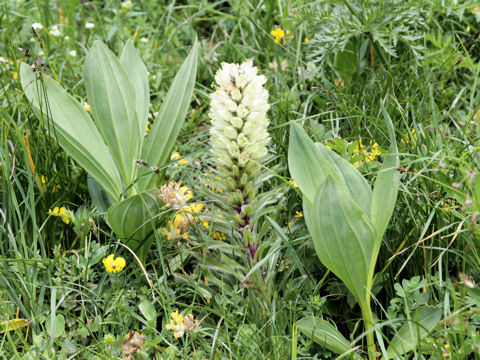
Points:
(318, 202)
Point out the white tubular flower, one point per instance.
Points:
(239, 115)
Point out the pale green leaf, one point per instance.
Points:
(423, 321)
(324, 334)
(138, 76)
(99, 196)
(148, 310)
(112, 99)
(159, 143)
(342, 235)
(74, 129)
(386, 187)
(59, 325)
(135, 218)
(311, 163)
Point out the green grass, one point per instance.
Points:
(423, 68)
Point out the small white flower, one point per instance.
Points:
(238, 114)
(37, 26)
(89, 25)
(55, 31)
(73, 53)
(3, 60)
(144, 40)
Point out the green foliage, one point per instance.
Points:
(414, 62)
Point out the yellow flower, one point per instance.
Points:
(446, 206)
(181, 324)
(278, 33)
(339, 82)
(293, 183)
(147, 130)
(366, 156)
(15, 75)
(194, 208)
(171, 232)
(409, 138)
(181, 223)
(306, 39)
(174, 194)
(64, 214)
(219, 236)
(176, 156)
(476, 9)
(114, 265)
(87, 107)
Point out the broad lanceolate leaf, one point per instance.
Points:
(112, 99)
(164, 131)
(74, 129)
(323, 333)
(342, 235)
(138, 76)
(135, 218)
(311, 163)
(386, 187)
(423, 321)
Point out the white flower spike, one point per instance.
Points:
(239, 115)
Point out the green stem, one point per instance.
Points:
(369, 323)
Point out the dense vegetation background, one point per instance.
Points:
(331, 66)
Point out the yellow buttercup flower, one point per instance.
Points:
(60, 211)
(114, 265)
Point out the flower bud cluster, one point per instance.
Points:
(239, 116)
